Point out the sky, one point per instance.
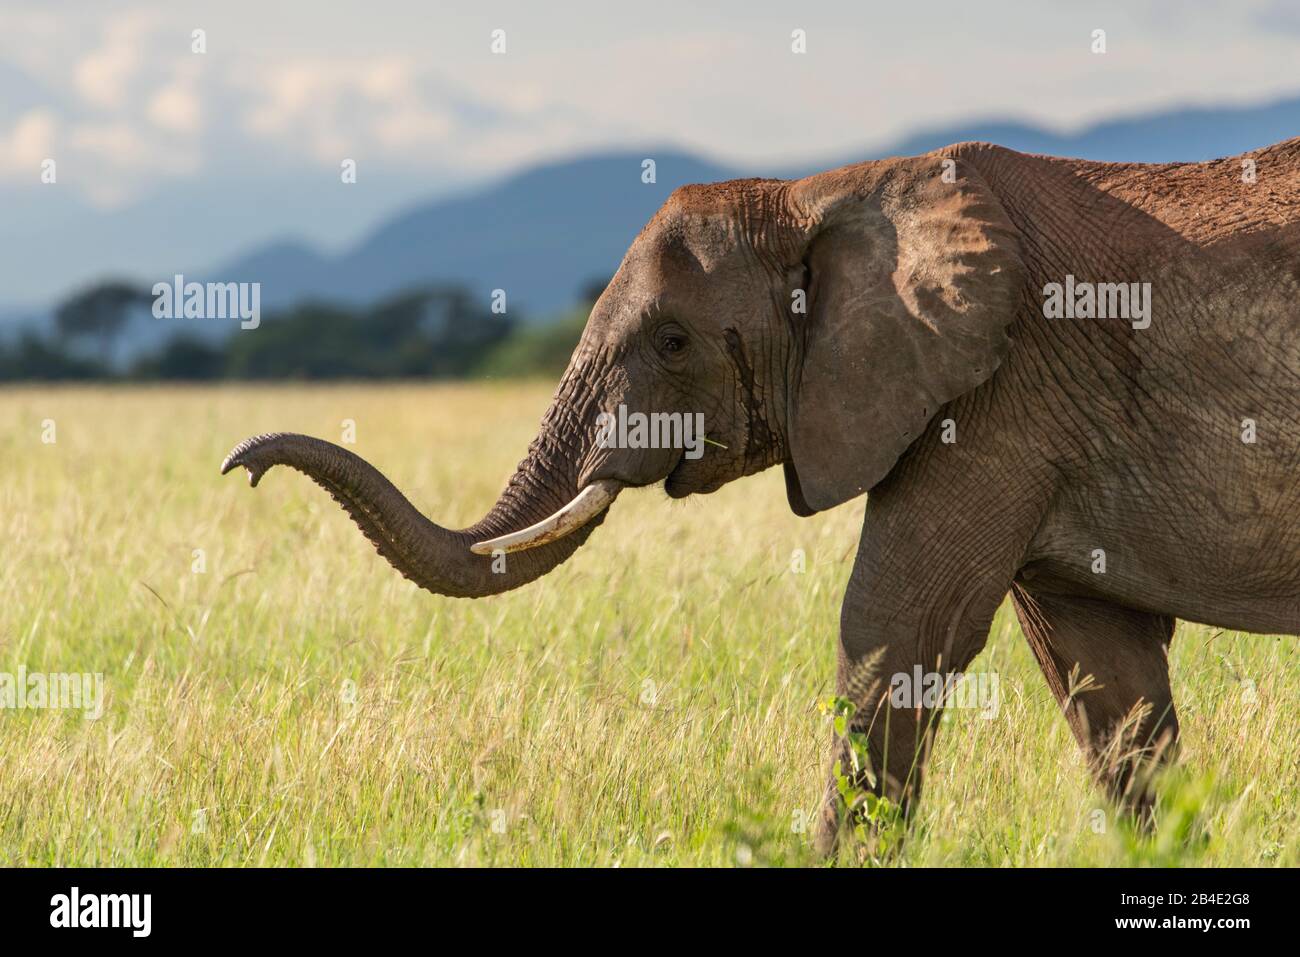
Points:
(228, 145)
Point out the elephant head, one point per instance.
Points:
(817, 323)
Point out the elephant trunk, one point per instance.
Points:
(542, 499)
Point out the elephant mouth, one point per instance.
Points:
(681, 482)
(675, 485)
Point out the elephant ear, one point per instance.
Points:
(911, 284)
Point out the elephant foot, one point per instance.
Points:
(826, 832)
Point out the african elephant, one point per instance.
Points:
(1075, 381)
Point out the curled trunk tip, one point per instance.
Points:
(246, 453)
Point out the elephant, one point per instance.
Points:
(1074, 382)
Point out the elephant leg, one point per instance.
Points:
(1108, 667)
(940, 547)
(890, 734)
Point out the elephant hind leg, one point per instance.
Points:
(1108, 667)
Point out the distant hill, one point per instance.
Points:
(1188, 135)
(539, 235)
(543, 233)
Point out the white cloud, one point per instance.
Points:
(411, 127)
(176, 107)
(28, 144)
(334, 108)
(117, 144)
(126, 117)
(103, 75)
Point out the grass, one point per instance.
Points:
(652, 702)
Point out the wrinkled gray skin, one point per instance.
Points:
(924, 304)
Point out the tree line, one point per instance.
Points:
(436, 332)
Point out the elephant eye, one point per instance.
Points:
(672, 343)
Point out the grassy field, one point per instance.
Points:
(280, 696)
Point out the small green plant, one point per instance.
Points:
(875, 821)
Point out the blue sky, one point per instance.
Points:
(232, 140)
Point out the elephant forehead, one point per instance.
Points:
(687, 244)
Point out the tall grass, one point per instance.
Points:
(652, 702)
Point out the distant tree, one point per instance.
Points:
(313, 340)
(31, 357)
(455, 329)
(427, 333)
(440, 332)
(184, 359)
(99, 312)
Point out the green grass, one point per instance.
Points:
(652, 702)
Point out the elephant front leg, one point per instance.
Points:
(942, 541)
(906, 633)
(1108, 667)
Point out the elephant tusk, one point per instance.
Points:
(586, 505)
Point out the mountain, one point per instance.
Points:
(538, 235)
(542, 234)
(1190, 134)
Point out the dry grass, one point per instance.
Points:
(651, 702)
